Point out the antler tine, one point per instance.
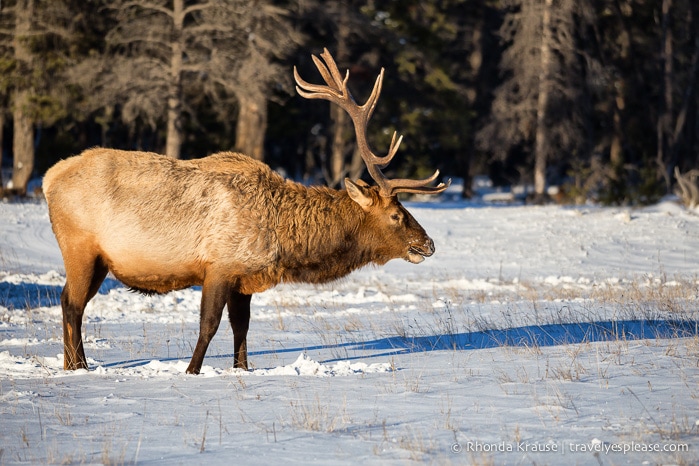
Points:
(418, 186)
(370, 103)
(393, 148)
(331, 73)
(412, 186)
(336, 91)
(315, 91)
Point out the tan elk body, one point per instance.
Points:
(225, 222)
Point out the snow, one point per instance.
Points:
(547, 335)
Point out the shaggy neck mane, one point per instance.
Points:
(318, 234)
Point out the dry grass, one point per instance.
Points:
(316, 415)
(543, 379)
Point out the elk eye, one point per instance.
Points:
(395, 217)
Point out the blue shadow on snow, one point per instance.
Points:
(31, 295)
(528, 336)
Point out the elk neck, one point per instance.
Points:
(321, 235)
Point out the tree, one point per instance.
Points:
(543, 137)
(166, 52)
(246, 46)
(152, 45)
(645, 125)
(677, 87)
(34, 50)
(538, 110)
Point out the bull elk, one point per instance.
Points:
(225, 222)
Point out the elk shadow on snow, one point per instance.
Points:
(33, 295)
(530, 336)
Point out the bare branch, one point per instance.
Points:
(146, 6)
(196, 7)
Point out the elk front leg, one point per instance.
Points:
(83, 279)
(73, 350)
(239, 315)
(213, 298)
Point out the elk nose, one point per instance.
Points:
(429, 247)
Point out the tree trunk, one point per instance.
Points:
(22, 144)
(2, 139)
(616, 150)
(23, 132)
(338, 147)
(252, 125)
(542, 138)
(476, 95)
(2, 142)
(687, 98)
(357, 165)
(341, 125)
(173, 141)
(664, 124)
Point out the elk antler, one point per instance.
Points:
(336, 91)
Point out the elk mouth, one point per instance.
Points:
(417, 254)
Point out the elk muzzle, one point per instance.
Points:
(418, 251)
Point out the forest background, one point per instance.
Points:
(596, 97)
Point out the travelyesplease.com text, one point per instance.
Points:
(594, 446)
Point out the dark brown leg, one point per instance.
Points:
(213, 298)
(82, 283)
(239, 315)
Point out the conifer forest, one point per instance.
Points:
(597, 98)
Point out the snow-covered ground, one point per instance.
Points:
(535, 335)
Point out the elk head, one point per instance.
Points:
(388, 217)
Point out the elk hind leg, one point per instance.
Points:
(84, 275)
(239, 315)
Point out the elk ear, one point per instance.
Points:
(358, 193)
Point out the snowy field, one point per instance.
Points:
(535, 335)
